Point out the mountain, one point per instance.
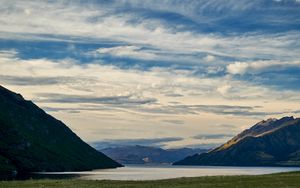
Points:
(31, 140)
(270, 142)
(148, 155)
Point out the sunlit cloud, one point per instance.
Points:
(259, 66)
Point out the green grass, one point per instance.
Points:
(275, 180)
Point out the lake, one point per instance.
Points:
(143, 172)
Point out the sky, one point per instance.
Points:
(165, 73)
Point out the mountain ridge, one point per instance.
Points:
(277, 145)
(32, 140)
(256, 130)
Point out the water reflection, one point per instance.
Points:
(142, 172)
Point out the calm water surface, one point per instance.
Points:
(142, 172)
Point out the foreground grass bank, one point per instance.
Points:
(275, 180)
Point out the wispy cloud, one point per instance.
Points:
(30, 80)
(123, 68)
(102, 23)
(111, 86)
(213, 136)
(159, 142)
(113, 100)
(259, 66)
(214, 109)
(127, 51)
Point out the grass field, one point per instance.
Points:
(275, 180)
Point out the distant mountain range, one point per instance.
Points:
(31, 141)
(148, 155)
(270, 142)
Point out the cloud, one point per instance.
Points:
(237, 68)
(150, 66)
(158, 142)
(208, 146)
(127, 23)
(113, 100)
(209, 58)
(273, 74)
(30, 80)
(174, 121)
(215, 15)
(232, 110)
(127, 51)
(137, 105)
(81, 108)
(224, 89)
(8, 53)
(173, 95)
(213, 136)
(225, 109)
(142, 92)
(259, 66)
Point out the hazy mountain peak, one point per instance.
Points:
(139, 154)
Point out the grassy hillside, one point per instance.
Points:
(32, 140)
(288, 180)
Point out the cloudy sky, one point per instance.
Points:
(168, 73)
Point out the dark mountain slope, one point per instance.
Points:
(31, 140)
(269, 143)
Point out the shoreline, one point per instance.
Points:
(286, 179)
